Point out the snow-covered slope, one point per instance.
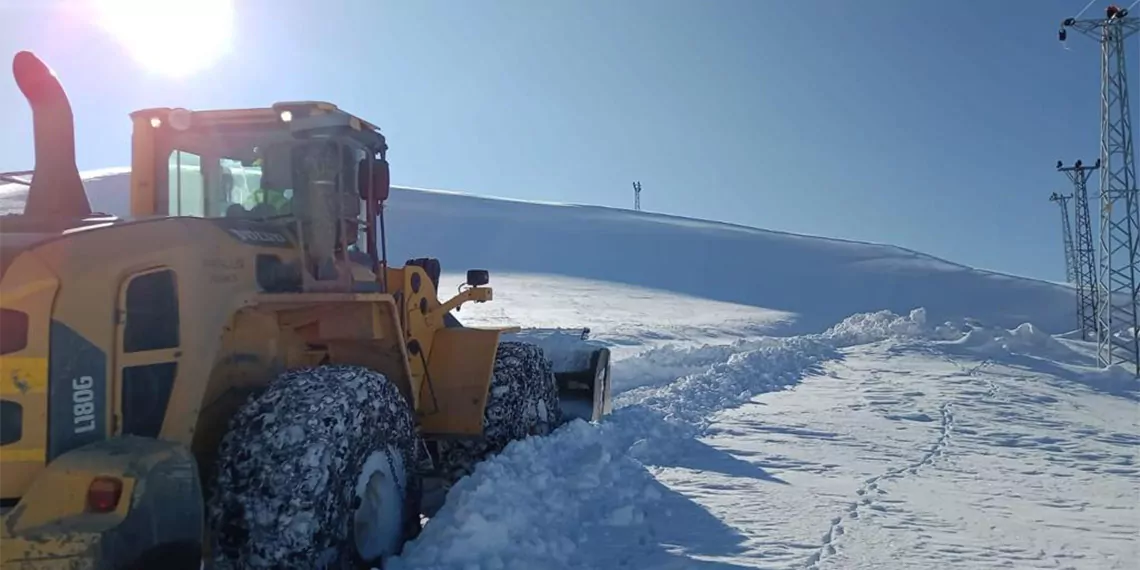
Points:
(818, 280)
(804, 283)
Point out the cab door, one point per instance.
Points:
(147, 351)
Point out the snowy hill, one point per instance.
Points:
(804, 284)
(818, 280)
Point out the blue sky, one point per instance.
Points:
(934, 126)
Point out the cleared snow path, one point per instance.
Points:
(840, 450)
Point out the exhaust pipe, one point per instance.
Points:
(56, 189)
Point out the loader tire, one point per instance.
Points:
(522, 401)
(290, 470)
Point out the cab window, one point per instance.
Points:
(151, 312)
(187, 186)
(223, 187)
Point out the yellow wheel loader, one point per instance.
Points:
(234, 376)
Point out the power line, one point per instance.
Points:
(1083, 10)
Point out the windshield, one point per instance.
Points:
(224, 187)
(312, 181)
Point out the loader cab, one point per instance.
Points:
(306, 166)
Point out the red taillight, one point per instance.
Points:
(13, 331)
(103, 494)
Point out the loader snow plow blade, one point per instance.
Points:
(581, 367)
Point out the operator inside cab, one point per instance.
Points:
(262, 203)
(313, 182)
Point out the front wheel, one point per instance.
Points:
(318, 471)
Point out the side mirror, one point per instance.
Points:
(478, 277)
(379, 182)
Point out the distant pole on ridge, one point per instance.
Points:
(637, 196)
(1118, 317)
(1084, 262)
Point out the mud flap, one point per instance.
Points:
(157, 520)
(454, 391)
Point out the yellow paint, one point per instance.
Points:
(9, 454)
(455, 390)
(20, 292)
(69, 498)
(23, 375)
(59, 552)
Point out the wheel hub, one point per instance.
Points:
(378, 522)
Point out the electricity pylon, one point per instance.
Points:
(1084, 263)
(1062, 200)
(1066, 235)
(1118, 318)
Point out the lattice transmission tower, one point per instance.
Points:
(637, 196)
(1118, 318)
(1084, 261)
(1062, 201)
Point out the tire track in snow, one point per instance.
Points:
(870, 491)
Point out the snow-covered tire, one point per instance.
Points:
(286, 490)
(522, 401)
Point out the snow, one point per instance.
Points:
(883, 442)
(781, 401)
(809, 283)
(626, 318)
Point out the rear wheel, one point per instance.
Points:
(522, 401)
(318, 471)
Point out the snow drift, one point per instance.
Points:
(599, 495)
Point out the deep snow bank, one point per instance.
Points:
(582, 496)
(586, 496)
(819, 280)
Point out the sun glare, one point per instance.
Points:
(176, 38)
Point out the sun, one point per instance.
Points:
(176, 38)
